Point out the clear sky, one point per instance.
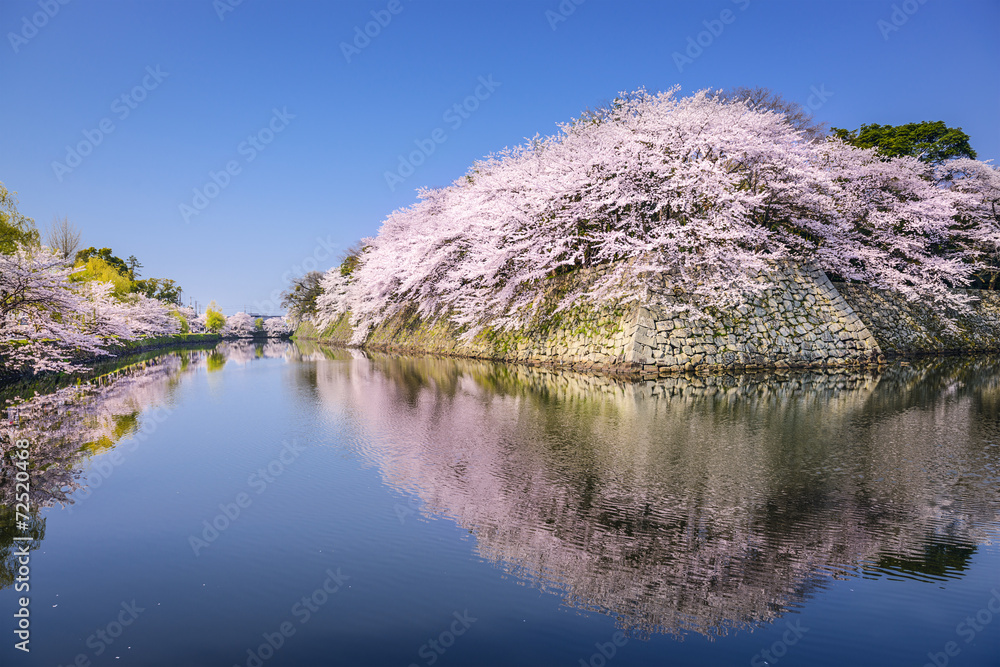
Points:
(308, 114)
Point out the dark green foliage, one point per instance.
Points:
(164, 289)
(930, 142)
(300, 298)
(15, 229)
(117, 263)
(351, 258)
(133, 266)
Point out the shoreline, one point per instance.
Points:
(122, 353)
(803, 320)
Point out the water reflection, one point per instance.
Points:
(67, 427)
(699, 504)
(685, 504)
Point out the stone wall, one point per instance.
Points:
(584, 336)
(903, 328)
(800, 321)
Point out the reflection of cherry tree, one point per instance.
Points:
(34, 527)
(239, 351)
(66, 427)
(700, 503)
(73, 423)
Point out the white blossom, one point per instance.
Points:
(710, 191)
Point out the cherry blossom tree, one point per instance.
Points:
(148, 317)
(334, 298)
(978, 230)
(194, 324)
(50, 323)
(711, 191)
(239, 325)
(892, 226)
(43, 318)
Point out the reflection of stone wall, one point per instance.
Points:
(801, 321)
(687, 502)
(903, 328)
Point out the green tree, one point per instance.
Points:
(214, 319)
(258, 324)
(300, 299)
(185, 327)
(105, 254)
(98, 269)
(351, 258)
(133, 266)
(932, 142)
(15, 229)
(164, 289)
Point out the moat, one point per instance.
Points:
(291, 504)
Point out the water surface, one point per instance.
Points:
(302, 506)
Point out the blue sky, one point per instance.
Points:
(300, 130)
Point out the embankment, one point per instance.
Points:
(802, 321)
